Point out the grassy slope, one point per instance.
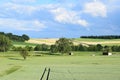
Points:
(62, 67)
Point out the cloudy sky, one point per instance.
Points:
(60, 18)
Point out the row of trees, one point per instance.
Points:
(103, 37)
(13, 37)
(81, 47)
(39, 47)
(64, 45)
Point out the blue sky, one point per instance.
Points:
(60, 18)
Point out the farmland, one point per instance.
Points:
(77, 41)
(86, 65)
(77, 67)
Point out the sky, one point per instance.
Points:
(60, 18)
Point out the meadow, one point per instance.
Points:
(80, 66)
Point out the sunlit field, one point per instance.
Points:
(80, 66)
(76, 41)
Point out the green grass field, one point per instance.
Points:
(23, 44)
(77, 67)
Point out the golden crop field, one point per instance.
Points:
(77, 41)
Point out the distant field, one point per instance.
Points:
(43, 41)
(85, 67)
(97, 41)
(23, 44)
(77, 41)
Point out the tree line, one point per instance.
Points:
(64, 45)
(103, 37)
(14, 37)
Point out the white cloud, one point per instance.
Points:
(33, 25)
(61, 15)
(21, 1)
(96, 9)
(20, 9)
(67, 16)
(25, 9)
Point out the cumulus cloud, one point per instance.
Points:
(31, 25)
(68, 16)
(25, 9)
(20, 9)
(22, 1)
(96, 9)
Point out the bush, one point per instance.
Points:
(24, 53)
(5, 43)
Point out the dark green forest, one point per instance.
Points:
(102, 37)
(14, 37)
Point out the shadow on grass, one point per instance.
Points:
(16, 59)
(10, 70)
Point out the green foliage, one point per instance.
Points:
(13, 37)
(24, 53)
(5, 43)
(53, 49)
(81, 47)
(42, 47)
(99, 47)
(115, 48)
(16, 48)
(63, 45)
(103, 37)
(37, 48)
(29, 48)
(25, 37)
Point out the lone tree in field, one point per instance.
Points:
(5, 43)
(64, 45)
(24, 53)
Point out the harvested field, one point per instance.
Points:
(43, 41)
(77, 41)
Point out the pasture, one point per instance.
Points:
(76, 67)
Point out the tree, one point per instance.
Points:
(29, 48)
(53, 48)
(25, 37)
(38, 47)
(42, 47)
(81, 47)
(24, 53)
(64, 45)
(99, 47)
(5, 43)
